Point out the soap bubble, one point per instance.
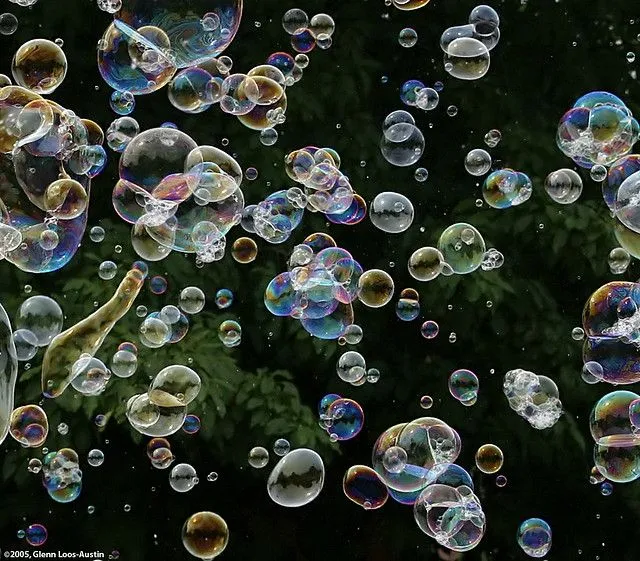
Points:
(107, 270)
(230, 333)
(183, 478)
(564, 186)
(391, 212)
(598, 173)
(39, 65)
(351, 366)
(534, 537)
(426, 402)
(193, 90)
(407, 37)
(429, 329)
(62, 476)
(95, 457)
(36, 535)
(26, 344)
(375, 288)
(477, 161)
(205, 535)
(536, 398)
(90, 375)
(42, 316)
(505, 188)
(97, 234)
(489, 458)
(174, 386)
(425, 264)
(281, 447)
(8, 24)
(485, 19)
(402, 144)
(29, 425)
(192, 300)
(295, 20)
(462, 248)
(258, 457)
(121, 132)
(618, 260)
(408, 306)
(463, 386)
(154, 332)
(224, 298)
(395, 459)
(467, 58)
(493, 138)
(297, 478)
(363, 486)
(627, 200)
(244, 250)
(322, 25)
(352, 334)
(344, 419)
(427, 99)
(191, 424)
(122, 103)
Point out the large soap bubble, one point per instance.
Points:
(297, 478)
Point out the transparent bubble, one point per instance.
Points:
(205, 535)
(489, 458)
(430, 329)
(281, 447)
(183, 478)
(29, 425)
(297, 478)
(353, 334)
(534, 537)
(95, 457)
(464, 386)
(407, 37)
(192, 300)
(426, 402)
(8, 24)
(154, 332)
(97, 234)
(391, 212)
(467, 58)
(563, 186)
(421, 175)
(42, 316)
(269, 136)
(395, 459)
(425, 264)
(376, 288)
(39, 65)
(121, 132)
(351, 366)
(402, 144)
(477, 162)
(174, 386)
(363, 486)
(230, 333)
(258, 457)
(294, 21)
(122, 103)
(90, 375)
(26, 344)
(618, 260)
(493, 138)
(505, 188)
(536, 398)
(577, 333)
(462, 248)
(107, 270)
(598, 173)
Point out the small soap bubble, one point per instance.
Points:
(619, 260)
(96, 234)
(426, 402)
(281, 447)
(407, 37)
(421, 175)
(107, 270)
(192, 300)
(95, 457)
(258, 457)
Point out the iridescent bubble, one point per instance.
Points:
(363, 486)
(477, 162)
(65, 199)
(29, 426)
(191, 424)
(26, 344)
(122, 103)
(39, 65)
(36, 535)
(429, 329)
(183, 478)
(193, 90)
(409, 96)
(606, 489)
(192, 300)
(346, 419)
(375, 288)
(462, 248)
(505, 188)
(467, 58)
(89, 375)
(563, 186)
(634, 413)
(158, 284)
(493, 138)
(42, 316)
(425, 264)
(352, 334)
(303, 41)
(258, 457)
(464, 386)
(391, 212)
(230, 333)
(223, 298)
(205, 535)
(297, 478)
(534, 537)
(407, 309)
(61, 475)
(489, 458)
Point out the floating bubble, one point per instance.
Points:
(86, 336)
(281, 447)
(407, 37)
(489, 458)
(205, 535)
(95, 457)
(426, 402)
(536, 398)
(505, 188)
(534, 537)
(563, 186)
(395, 459)
(618, 260)
(40, 66)
(158, 284)
(121, 132)
(351, 366)
(427, 99)
(244, 250)
(391, 212)
(107, 270)
(61, 475)
(464, 386)
(90, 375)
(425, 264)
(191, 424)
(322, 25)
(230, 333)
(192, 300)
(429, 329)
(36, 535)
(606, 489)
(345, 419)
(467, 58)
(154, 332)
(407, 308)
(363, 486)
(122, 103)
(42, 316)
(462, 248)
(297, 478)
(174, 386)
(29, 425)
(8, 24)
(477, 162)
(493, 138)
(26, 344)
(34, 466)
(223, 298)
(258, 457)
(183, 478)
(295, 20)
(97, 234)
(375, 288)
(421, 175)
(402, 144)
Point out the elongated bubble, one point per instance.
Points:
(8, 373)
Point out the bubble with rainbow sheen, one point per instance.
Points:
(363, 486)
(462, 248)
(223, 298)
(407, 309)
(324, 403)
(464, 386)
(409, 92)
(29, 425)
(617, 444)
(279, 296)
(193, 90)
(355, 214)
(428, 441)
(179, 329)
(345, 419)
(319, 241)
(283, 62)
(230, 333)
(61, 475)
(534, 537)
(505, 188)
(407, 498)
(331, 326)
(36, 535)
(191, 424)
(275, 218)
(429, 329)
(619, 170)
(158, 284)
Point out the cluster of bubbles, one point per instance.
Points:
(466, 47)
(506, 188)
(162, 410)
(159, 453)
(29, 426)
(124, 361)
(48, 156)
(297, 478)
(597, 130)
(177, 195)
(615, 428)
(534, 397)
(415, 462)
(611, 324)
(307, 33)
(61, 475)
(415, 93)
(205, 535)
(342, 418)
(534, 537)
(319, 287)
(402, 142)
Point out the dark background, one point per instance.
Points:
(550, 54)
